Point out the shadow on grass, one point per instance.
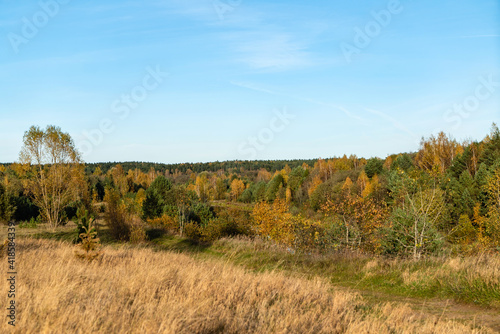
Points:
(68, 236)
(155, 233)
(157, 238)
(162, 240)
(103, 233)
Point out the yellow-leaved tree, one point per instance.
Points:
(437, 153)
(237, 188)
(202, 187)
(54, 172)
(273, 221)
(361, 218)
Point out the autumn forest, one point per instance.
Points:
(443, 198)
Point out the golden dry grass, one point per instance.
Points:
(483, 268)
(137, 290)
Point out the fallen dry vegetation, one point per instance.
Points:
(137, 290)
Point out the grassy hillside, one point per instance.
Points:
(140, 290)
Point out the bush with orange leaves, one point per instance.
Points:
(361, 218)
(165, 222)
(273, 221)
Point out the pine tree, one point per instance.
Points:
(491, 152)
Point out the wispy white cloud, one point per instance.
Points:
(479, 36)
(271, 50)
(196, 9)
(254, 87)
(99, 55)
(336, 107)
(252, 36)
(105, 7)
(395, 123)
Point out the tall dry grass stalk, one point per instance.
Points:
(137, 290)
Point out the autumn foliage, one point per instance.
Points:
(443, 198)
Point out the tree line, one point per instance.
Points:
(445, 197)
(229, 166)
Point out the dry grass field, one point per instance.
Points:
(138, 290)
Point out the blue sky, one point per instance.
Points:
(418, 67)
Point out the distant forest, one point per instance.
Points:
(227, 166)
(446, 196)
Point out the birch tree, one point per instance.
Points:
(54, 171)
(413, 222)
